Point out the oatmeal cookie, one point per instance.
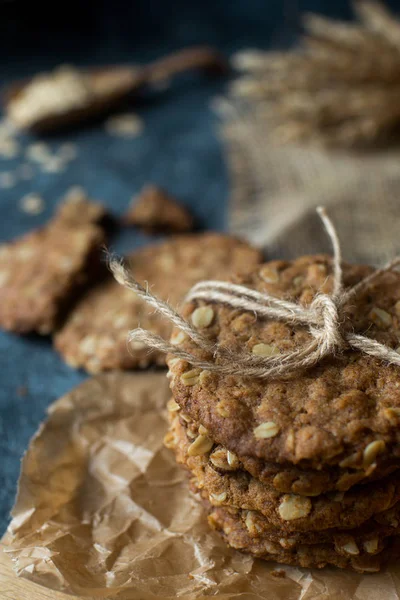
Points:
(348, 555)
(95, 334)
(371, 536)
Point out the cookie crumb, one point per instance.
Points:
(22, 391)
(154, 210)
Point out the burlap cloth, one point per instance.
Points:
(275, 189)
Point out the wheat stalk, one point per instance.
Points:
(341, 87)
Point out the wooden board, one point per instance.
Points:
(16, 588)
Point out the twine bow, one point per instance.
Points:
(324, 318)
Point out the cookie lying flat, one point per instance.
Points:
(225, 484)
(371, 536)
(154, 210)
(236, 534)
(42, 272)
(306, 482)
(343, 413)
(95, 334)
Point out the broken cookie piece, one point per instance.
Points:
(95, 335)
(77, 208)
(42, 272)
(154, 210)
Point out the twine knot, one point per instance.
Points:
(325, 318)
(328, 331)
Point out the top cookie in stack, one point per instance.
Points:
(303, 445)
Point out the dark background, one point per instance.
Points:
(179, 148)
(42, 33)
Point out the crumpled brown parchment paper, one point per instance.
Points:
(103, 511)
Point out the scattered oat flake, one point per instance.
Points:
(51, 161)
(32, 204)
(54, 164)
(124, 125)
(7, 180)
(38, 152)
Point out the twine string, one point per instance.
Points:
(126, 279)
(324, 318)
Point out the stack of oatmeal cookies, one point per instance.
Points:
(301, 470)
